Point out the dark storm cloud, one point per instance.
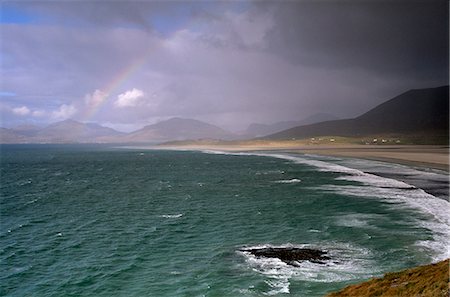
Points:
(392, 38)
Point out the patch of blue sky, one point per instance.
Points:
(14, 12)
(165, 26)
(170, 21)
(10, 14)
(7, 94)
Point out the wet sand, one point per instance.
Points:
(431, 156)
(436, 157)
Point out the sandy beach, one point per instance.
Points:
(435, 157)
(431, 156)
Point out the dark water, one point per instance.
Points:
(99, 221)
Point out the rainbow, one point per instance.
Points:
(115, 83)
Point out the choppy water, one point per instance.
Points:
(99, 221)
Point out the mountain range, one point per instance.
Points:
(70, 131)
(178, 129)
(415, 112)
(259, 130)
(421, 112)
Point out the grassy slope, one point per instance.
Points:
(424, 281)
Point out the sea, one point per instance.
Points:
(102, 220)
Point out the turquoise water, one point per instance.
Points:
(100, 221)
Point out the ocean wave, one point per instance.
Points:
(217, 152)
(269, 172)
(24, 182)
(171, 216)
(31, 201)
(288, 181)
(347, 262)
(392, 190)
(357, 220)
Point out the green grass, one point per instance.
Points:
(424, 281)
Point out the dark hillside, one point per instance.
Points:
(416, 112)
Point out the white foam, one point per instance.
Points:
(401, 193)
(392, 190)
(436, 180)
(356, 220)
(347, 263)
(399, 189)
(392, 168)
(215, 152)
(288, 181)
(377, 181)
(25, 182)
(269, 172)
(440, 240)
(31, 201)
(278, 286)
(171, 216)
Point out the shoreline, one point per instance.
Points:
(422, 156)
(417, 280)
(431, 159)
(428, 158)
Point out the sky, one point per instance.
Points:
(127, 64)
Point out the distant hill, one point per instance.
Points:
(415, 112)
(178, 129)
(68, 131)
(11, 136)
(422, 113)
(26, 130)
(259, 130)
(73, 131)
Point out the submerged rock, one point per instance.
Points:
(290, 255)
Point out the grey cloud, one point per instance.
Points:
(308, 57)
(392, 38)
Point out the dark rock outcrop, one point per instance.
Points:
(290, 255)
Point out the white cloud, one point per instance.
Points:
(23, 110)
(38, 113)
(96, 98)
(129, 98)
(64, 112)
